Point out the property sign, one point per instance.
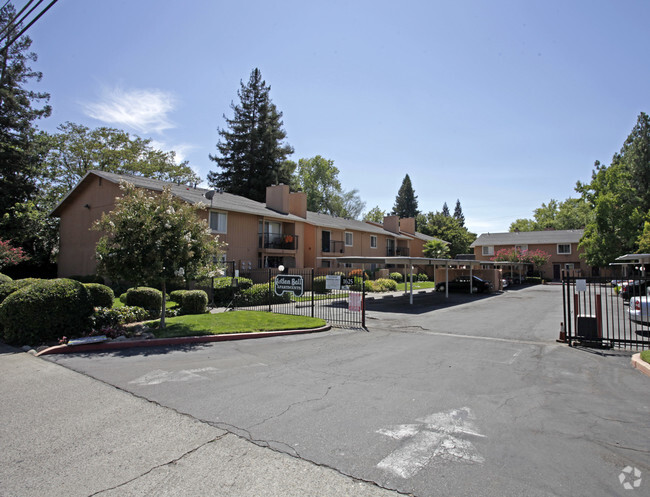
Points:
(333, 282)
(289, 283)
(347, 281)
(355, 302)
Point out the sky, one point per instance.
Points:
(503, 105)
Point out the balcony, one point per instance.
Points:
(278, 241)
(333, 248)
(397, 252)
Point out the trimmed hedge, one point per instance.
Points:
(88, 278)
(423, 277)
(45, 311)
(385, 285)
(397, 277)
(119, 316)
(177, 296)
(259, 295)
(4, 278)
(223, 291)
(145, 297)
(101, 295)
(194, 302)
(10, 287)
(319, 285)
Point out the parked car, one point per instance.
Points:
(633, 288)
(639, 310)
(462, 284)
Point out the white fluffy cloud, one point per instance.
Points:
(146, 111)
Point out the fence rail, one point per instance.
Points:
(597, 311)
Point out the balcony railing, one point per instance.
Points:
(278, 241)
(397, 251)
(334, 248)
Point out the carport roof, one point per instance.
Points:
(418, 261)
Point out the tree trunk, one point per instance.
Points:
(164, 306)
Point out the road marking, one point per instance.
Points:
(435, 436)
(161, 376)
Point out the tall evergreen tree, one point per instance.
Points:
(19, 158)
(252, 154)
(445, 210)
(458, 213)
(406, 202)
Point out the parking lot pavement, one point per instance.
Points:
(65, 434)
(474, 398)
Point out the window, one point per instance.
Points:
(564, 248)
(373, 241)
(326, 264)
(488, 250)
(521, 248)
(218, 222)
(348, 239)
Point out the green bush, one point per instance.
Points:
(45, 311)
(123, 298)
(319, 285)
(224, 292)
(101, 295)
(10, 287)
(88, 278)
(4, 278)
(177, 296)
(385, 285)
(423, 277)
(194, 302)
(396, 277)
(259, 295)
(110, 317)
(145, 297)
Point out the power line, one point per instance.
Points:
(22, 31)
(11, 24)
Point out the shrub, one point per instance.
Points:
(223, 291)
(385, 285)
(45, 311)
(259, 295)
(101, 295)
(4, 278)
(10, 287)
(113, 317)
(358, 272)
(396, 277)
(319, 285)
(88, 278)
(123, 298)
(194, 302)
(423, 277)
(145, 297)
(177, 296)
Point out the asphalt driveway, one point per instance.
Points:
(469, 397)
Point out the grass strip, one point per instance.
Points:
(232, 322)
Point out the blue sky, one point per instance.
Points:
(501, 104)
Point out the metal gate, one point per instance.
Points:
(605, 312)
(337, 297)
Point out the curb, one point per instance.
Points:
(158, 342)
(640, 364)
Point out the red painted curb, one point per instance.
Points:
(157, 342)
(640, 365)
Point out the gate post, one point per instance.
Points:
(269, 295)
(363, 297)
(312, 292)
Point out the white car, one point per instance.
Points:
(639, 310)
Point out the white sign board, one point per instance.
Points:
(355, 302)
(333, 282)
(581, 285)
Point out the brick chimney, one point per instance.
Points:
(391, 223)
(407, 225)
(277, 198)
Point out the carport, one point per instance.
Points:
(409, 262)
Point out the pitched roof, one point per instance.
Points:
(529, 237)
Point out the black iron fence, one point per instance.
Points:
(606, 312)
(338, 298)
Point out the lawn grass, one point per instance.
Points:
(232, 322)
(645, 355)
(417, 285)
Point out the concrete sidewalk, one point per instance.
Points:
(66, 434)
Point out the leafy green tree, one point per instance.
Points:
(77, 149)
(523, 225)
(436, 249)
(406, 202)
(571, 214)
(153, 238)
(375, 215)
(20, 106)
(31, 226)
(319, 179)
(448, 229)
(620, 199)
(252, 154)
(458, 213)
(644, 239)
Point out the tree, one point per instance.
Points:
(406, 202)
(19, 159)
(77, 149)
(10, 255)
(644, 239)
(436, 249)
(571, 214)
(448, 229)
(31, 226)
(458, 213)
(318, 178)
(375, 215)
(445, 210)
(153, 238)
(252, 154)
(619, 196)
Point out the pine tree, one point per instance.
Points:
(19, 158)
(406, 202)
(252, 154)
(458, 213)
(445, 210)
